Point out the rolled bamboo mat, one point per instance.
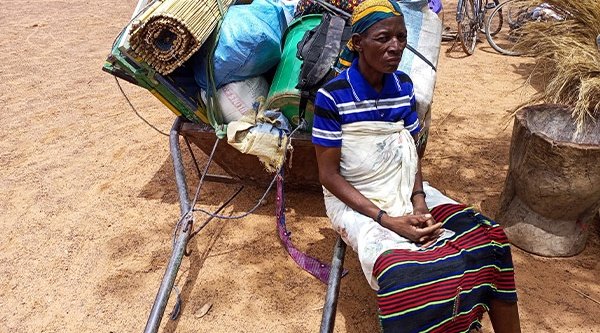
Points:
(171, 31)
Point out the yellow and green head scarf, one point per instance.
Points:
(364, 16)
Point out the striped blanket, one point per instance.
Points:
(446, 287)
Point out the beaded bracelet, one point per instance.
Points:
(380, 215)
(417, 193)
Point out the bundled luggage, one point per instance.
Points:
(266, 54)
(248, 44)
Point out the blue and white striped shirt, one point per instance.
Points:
(349, 98)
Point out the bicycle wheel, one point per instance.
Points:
(496, 24)
(508, 35)
(467, 25)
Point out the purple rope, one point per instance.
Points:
(315, 267)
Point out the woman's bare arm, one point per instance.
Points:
(418, 200)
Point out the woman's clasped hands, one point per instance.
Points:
(419, 228)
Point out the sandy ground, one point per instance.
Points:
(88, 200)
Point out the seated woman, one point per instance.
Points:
(437, 265)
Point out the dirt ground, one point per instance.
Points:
(88, 200)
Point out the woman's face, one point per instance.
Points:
(382, 44)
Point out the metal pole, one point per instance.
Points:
(180, 181)
(160, 303)
(333, 287)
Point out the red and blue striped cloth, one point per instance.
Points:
(448, 286)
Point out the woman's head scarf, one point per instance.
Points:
(365, 15)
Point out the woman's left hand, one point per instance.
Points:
(421, 208)
(419, 205)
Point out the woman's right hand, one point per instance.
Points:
(421, 228)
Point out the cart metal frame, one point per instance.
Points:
(232, 161)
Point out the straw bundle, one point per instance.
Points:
(567, 57)
(171, 31)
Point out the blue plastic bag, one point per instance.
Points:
(249, 43)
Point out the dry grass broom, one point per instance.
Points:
(567, 57)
